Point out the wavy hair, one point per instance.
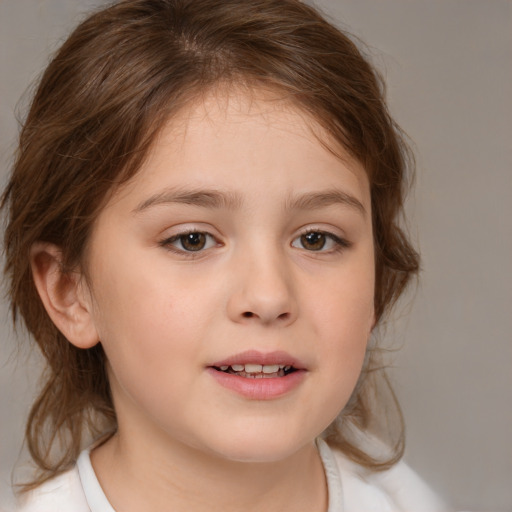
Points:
(123, 73)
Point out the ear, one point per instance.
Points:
(64, 295)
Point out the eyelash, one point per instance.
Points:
(340, 244)
(167, 243)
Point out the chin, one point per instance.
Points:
(260, 446)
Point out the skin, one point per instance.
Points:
(165, 314)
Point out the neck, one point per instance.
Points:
(142, 476)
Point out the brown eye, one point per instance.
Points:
(193, 241)
(320, 241)
(314, 241)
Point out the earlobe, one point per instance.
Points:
(63, 295)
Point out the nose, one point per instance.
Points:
(262, 290)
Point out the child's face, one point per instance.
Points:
(241, 240)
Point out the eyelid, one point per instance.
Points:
(189, 227)
(180, 231)
(340, 241)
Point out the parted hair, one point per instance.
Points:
(122, 74)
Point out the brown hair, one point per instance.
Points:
(100, 103)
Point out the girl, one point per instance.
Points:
(202, 237)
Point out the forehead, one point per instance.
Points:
(229, 135)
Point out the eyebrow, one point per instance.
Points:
(202, 198)
(215, 199)
(322, 199)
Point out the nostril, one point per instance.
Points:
(250, 314)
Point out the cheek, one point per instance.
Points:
(143, 327)
(149, 319)
(344, 319)
(344, 305)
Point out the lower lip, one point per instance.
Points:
(259, 389)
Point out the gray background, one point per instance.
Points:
(448, 65)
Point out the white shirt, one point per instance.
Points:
(351, 488)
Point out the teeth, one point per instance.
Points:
(253, 368)
(270, 368)
(256, 369)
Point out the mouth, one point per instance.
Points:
(253, 364)
(256, 375)
(257, 371)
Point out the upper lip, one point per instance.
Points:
(263, 358)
